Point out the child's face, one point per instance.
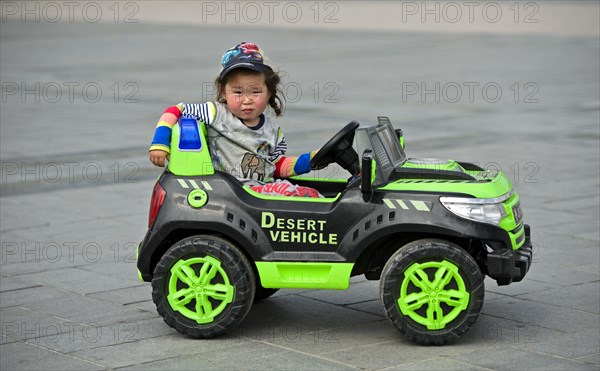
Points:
(247, 96)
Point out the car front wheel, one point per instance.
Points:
(432, 291)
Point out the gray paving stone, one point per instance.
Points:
(11, 358)
(91, 336)
(261, 356)
(111, 225)
(437, 363)
(19, 324)
(381, 355)
(28, 295)
(487, 334)
(143, 306)
(583, 204)
(4, 339)
(180, 363)
(588, 229)
(519, 359)
(14, 284)
(591, 235)
(16, 249)
(589, 268)
(13, 217)
(155, 349)
(87, 310)
(539, 217)
(24, 257)
(559, 274)
(285, 292)
(23, 268)
(542, 315)
(357, 292)
(126, 295)
(296, 315)
(79, 202)
(77, 280)
(106, 232)
(578, 346)
(491, 295)
(122, 269)
(527, 285)
(492, 331)
(323, 340)
(564, 250)
(372, 306)
(593, 359)
(584, 297)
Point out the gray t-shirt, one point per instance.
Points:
(244, 152)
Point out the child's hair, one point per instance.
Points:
(272, 81)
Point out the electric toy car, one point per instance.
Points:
(430, 230)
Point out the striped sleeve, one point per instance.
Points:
(286, 167)
(293, 165)
(205, 112)
(162, 133)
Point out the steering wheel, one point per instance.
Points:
(339, 149)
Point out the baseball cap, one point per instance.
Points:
(244, 55)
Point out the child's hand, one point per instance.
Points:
(158, 157)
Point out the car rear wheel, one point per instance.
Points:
(203, 286)
(432, 291)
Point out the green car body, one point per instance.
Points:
(429, 229)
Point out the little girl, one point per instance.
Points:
(243, 141)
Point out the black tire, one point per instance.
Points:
(263, 293)
(432, 311)
(220, 276)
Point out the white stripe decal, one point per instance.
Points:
(420, 205)
(206, 185)
(183, 183)
(194, 184)
(389, 203)
(402, 204)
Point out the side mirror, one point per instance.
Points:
(367, 171)
(400, 137)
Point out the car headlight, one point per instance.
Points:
(486, 210)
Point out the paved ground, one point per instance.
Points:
(76, 186)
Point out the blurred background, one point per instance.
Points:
(435, 68)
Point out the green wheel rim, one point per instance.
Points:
(445, 297)
(199, 297)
